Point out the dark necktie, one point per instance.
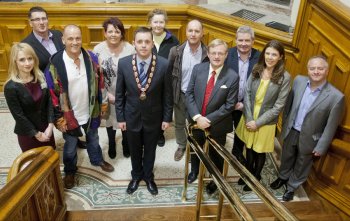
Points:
(143, 74)
(208, 90)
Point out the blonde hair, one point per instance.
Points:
(157, 11)
(13, 72)
(217, 42)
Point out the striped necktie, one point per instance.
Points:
(143, 73)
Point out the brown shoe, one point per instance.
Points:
(179, 153)
(69, 181)
(106, 166)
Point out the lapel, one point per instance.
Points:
(235, 60)
(219, 82)
(202, 76)
(88, 67)
(39, 47)
(270, 91)
(298, 94)
(324, 93)
(57, 41)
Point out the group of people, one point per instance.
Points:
(53, 81)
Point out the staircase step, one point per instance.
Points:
(305, 210)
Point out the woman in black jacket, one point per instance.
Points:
(28, 99)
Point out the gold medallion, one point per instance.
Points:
(143, 96)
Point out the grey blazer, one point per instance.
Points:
(222, 99)
(320, 122)
(274, 100)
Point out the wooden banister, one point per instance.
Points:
(36, 192)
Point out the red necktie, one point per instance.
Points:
(208, 91)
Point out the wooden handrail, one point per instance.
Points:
(24, 196)
(224, 187)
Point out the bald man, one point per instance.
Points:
(76, 86)
(182, 59)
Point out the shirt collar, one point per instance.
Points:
(40, 39)
(188, 49)
(148, 60)
(217, 71)
(239, 55)
(319, 88)
(71, 59)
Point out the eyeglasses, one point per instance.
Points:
(38, 19)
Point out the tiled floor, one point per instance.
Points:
(96, 189)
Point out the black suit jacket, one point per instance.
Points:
(232, 60)
(23, 108)
(158, 106)
(40, 50)
(222, 99)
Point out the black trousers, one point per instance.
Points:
(214, 156)
(238, 144)
(142, 146)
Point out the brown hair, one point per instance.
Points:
(117, 24)
(36, 9)
(278, 70)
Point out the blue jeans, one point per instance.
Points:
(70, 150)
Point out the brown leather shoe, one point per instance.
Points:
(179, 153)
(106, 166)
(69, 181)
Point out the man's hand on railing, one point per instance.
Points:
(203, 122)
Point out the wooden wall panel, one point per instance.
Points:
(90, 17)
(322, 28)
(14, 33)
(333, 167)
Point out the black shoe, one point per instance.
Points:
(211, 188)
(152, 187)
(246, 188)
(192, 177)
(126, 151)
(161, 140)
(278, 183)
(126, 154)
(81, 144)
(241, 182)
(112, 153)
(133, 185)
(288, 195)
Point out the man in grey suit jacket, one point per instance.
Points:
(312, 114)
(210, 97)
(241, 59)
(143, 106)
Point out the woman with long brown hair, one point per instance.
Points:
(265, 96)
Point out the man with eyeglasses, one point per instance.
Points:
(45, 42)
(210, 98)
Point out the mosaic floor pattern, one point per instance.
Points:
(96, 189)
